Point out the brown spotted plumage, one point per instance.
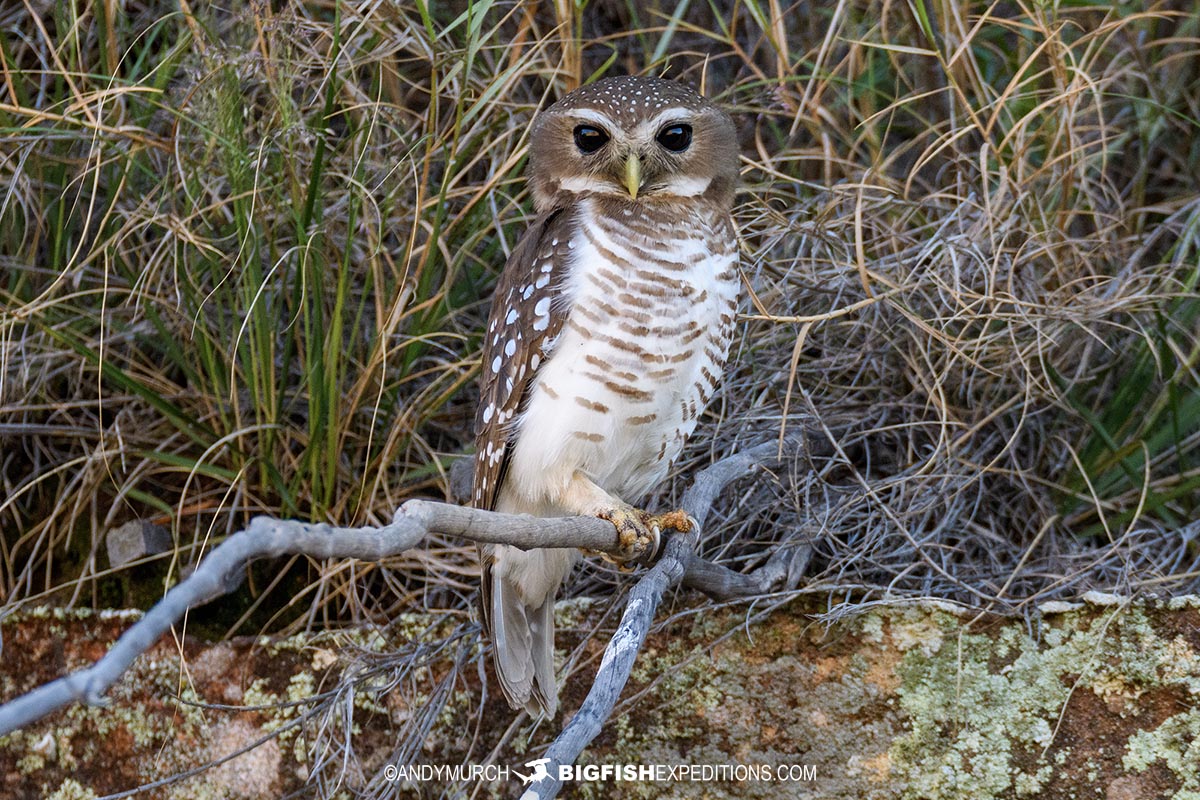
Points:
(608, 334)
(528, 311)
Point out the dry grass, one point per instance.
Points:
(246, 255)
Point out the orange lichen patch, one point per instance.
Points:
(876, 769)
(828, 668)
(1062, 715)
(881, 667)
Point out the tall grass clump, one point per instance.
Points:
(247, 251)
(244, 255)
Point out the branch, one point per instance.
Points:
(786, 566)
(782, 572)
(678, 558)
(266, 537)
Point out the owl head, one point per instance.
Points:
(638, 139)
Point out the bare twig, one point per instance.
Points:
(616, 665)
(678, 557)
(267, 537)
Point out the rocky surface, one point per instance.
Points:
(1094, 700)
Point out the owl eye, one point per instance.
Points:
(675, 138)
(589, 139)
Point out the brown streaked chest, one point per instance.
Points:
(652, 303)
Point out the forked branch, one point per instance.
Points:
(679, 563)
(267, 537)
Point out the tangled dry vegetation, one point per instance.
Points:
(246, 254)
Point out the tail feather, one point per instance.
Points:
(518, 612)
(541, 651)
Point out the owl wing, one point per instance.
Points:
(529, 308)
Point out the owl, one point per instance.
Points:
(608, 333)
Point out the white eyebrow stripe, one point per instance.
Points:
(672, 114)
(593, 116)
(675, 114)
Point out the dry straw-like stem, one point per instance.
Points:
(248, 270)
(244, 273)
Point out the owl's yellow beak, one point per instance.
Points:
(633, 174)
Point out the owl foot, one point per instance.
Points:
(677, 520)
(639, 533)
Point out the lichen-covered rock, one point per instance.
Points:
(1097, 699)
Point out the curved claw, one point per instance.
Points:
(639, 533)
(634, 535)
(678, 520)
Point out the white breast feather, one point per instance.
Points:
(629, 459)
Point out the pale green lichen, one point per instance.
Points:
(922, 705)
(71, 790)
(870, 628)
(980, 706)
(1028, 785)
(911, 629)
(573, 612)
(278, 711)
(257, 695)
(748, 701)
(30, 763)
(62, 614)
(966, 719)
(1182, 602)
(1176, 744)
(686, 690)
(80, 735)
(301, 687)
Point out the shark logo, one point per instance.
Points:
(539, 771)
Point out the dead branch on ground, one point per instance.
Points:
(266, 537)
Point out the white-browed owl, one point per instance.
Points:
(609, 330)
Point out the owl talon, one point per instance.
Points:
(637, 540)
(678, 520)
(639, 533)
